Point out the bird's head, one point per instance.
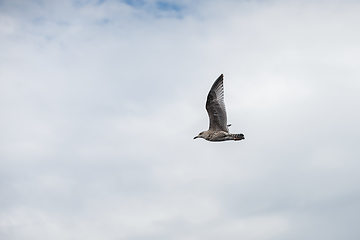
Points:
(200, 135)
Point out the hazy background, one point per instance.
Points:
(100, 101)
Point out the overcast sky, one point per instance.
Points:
(100, 101)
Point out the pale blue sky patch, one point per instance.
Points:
(100, 1)
(159, 9)
(82, 3)
(168, 6)
(135, 3)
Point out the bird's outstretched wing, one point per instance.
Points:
(215, 106)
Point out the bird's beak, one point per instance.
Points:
(196, 137)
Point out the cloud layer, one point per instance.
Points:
(100, 101)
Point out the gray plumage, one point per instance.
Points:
(215, 106)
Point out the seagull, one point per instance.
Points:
(215, 106)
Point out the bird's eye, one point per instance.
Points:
(200, 133)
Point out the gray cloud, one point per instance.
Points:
(101, 99)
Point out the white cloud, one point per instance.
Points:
(101, 100)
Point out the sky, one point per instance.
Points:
(100, 101)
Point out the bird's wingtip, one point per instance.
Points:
(221, 77)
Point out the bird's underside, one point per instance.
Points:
(215, 106)
(219, 136)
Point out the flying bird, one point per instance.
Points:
(215, 106)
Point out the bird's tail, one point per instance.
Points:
(237, 137)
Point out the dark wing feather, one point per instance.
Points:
(215, 106)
